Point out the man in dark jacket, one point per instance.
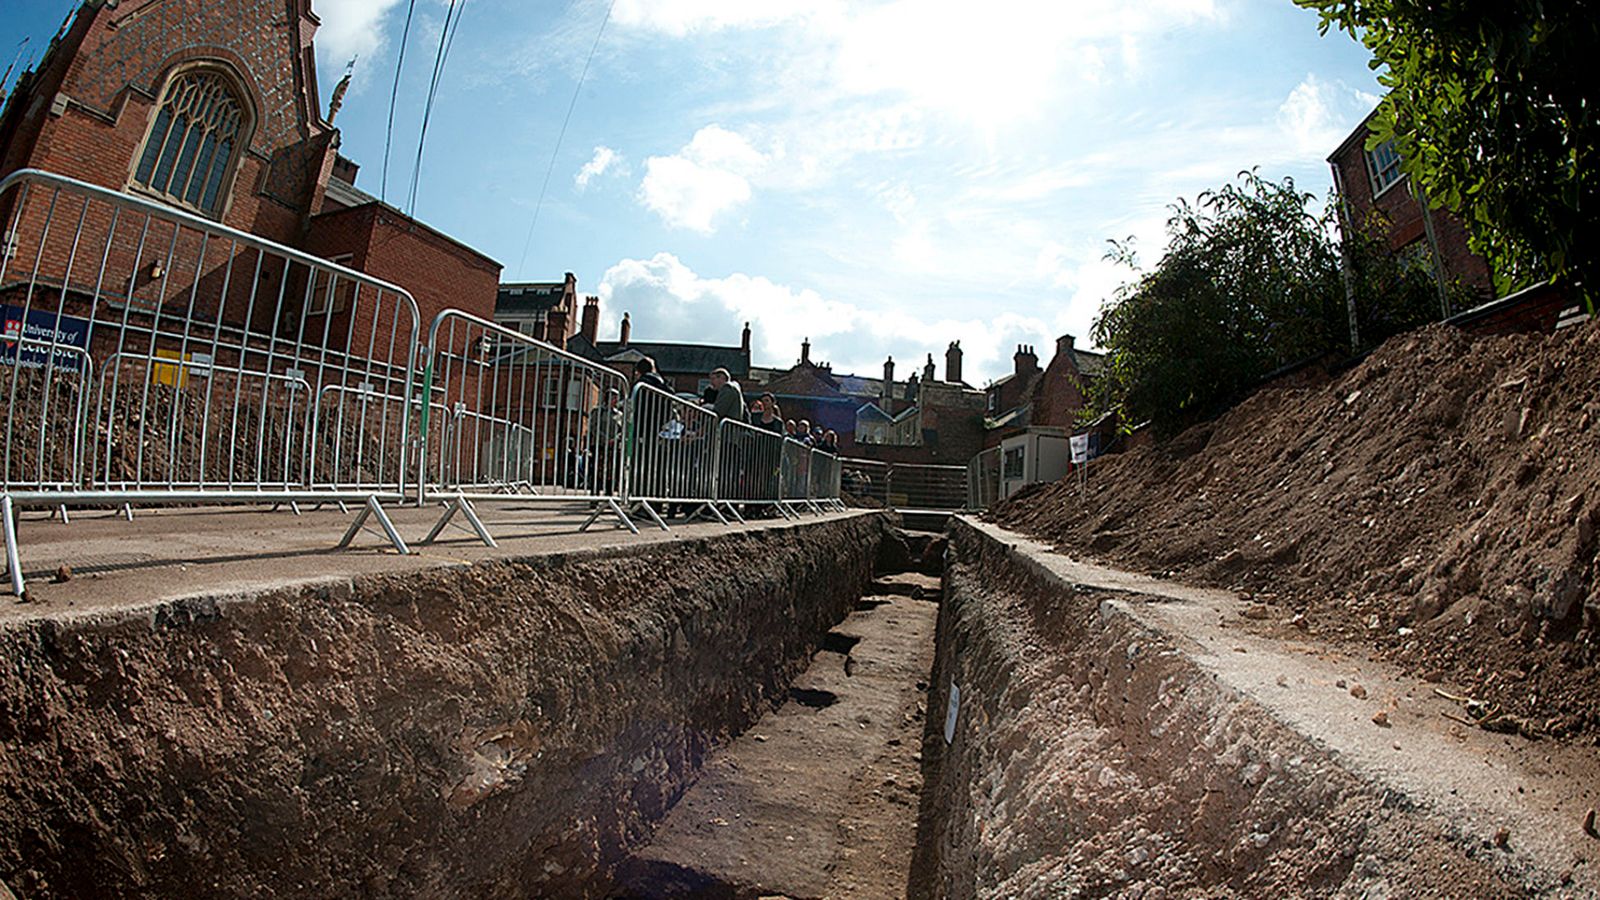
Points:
(730, 398)
(644, 372)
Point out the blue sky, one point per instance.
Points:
(882, 177)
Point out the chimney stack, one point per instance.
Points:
(1025, 360)
(1064, 346)
(888, 379)
(627, 330)
(744, 338)
(927, 371)
(805, 352)
(556, 330)
(952, 363)
(590, 326)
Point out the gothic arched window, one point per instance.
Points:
(194, 141)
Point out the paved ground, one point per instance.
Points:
(818, 799)
(164, 554)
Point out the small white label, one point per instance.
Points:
(1080, 448)
(951, 712)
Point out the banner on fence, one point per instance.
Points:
(29, 343)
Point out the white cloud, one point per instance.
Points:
(987, 63)
(603, 160)
(350, 28)
(669, 301)
(681, 17)
(708, 177)
(1317, 115)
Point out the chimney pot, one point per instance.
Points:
(744, 338)
(627, 330)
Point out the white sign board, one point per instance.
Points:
(950, 713)
(1080, 448)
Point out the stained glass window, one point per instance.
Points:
(193, 141)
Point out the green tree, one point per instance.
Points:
(1491, 106)
(1250, 281)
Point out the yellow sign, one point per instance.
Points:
(176, 373)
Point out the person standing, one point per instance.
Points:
(644, 372)
(771, 416)
(729, 402)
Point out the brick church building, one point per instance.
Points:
(211, 106)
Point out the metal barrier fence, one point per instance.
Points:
(826, 474)
(795, 480)
(905, 486)
(983, 479)
(151, 356)
(749, 467)
(672, 455)
(514, 418)
(158, 357)
(865, 482)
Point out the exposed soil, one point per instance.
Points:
(1437, 504)
(1093, 754)
(506, 728)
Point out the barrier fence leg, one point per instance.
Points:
(735, 512)
(714, 511)
(651, 512)
(375, 510)
(13, 563)
(475, 524)
(615, 509)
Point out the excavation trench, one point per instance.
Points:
(752, 714)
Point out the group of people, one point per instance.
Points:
(724, 397)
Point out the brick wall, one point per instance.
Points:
(1404, 215)
(438, 272)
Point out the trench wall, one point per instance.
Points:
(1092, 757)
(502, 729)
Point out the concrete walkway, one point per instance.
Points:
(166, 554)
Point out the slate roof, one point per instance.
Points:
(1088, 362)
(804, 381)
(528, 297)
(675, 359)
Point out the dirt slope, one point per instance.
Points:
(1439, 503)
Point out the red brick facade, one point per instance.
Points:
(86, 110)
(1406, 221)
(439, 273)
(1051, 397)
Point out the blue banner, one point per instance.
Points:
(70, 334)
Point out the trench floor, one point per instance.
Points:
(819, 798)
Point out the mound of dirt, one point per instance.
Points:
(1439, 503)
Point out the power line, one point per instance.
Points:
(394, 93)
(562, 134)
(445, 39)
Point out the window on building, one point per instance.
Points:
(330, 290)
(1383, 163)
(194, 141)
(1012, 464)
